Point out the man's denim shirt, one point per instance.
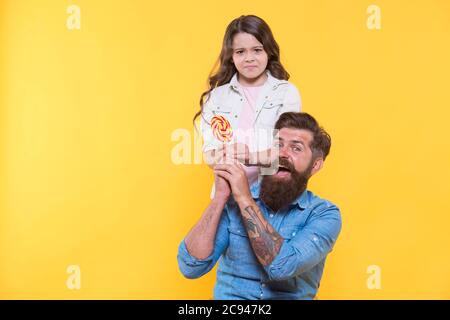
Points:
(310, 226)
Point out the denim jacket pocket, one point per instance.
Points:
(277, 102)
(220, 109)
(269, 112)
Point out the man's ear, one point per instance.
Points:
(318, 164)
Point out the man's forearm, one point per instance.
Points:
(200, 240)
(265, 241)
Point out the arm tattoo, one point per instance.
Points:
(265, 241)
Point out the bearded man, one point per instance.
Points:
(272, 239)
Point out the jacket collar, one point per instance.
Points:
(270, 82)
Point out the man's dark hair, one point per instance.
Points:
(321, 143)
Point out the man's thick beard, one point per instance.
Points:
(277, 193)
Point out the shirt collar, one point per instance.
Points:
(302, 201)
(271, 81)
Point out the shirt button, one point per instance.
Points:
(293, 233)
(263, 285)
(271, 215)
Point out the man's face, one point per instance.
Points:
(294, 152)
(295, 168)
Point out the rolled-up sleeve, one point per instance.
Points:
(192, 267)
(309, 247)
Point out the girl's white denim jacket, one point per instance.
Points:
(276, 97)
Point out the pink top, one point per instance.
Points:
(245, 126)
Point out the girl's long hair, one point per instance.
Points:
(224, 68)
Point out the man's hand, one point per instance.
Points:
(236, 177)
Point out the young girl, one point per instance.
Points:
(248, 91)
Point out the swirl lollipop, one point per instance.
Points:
(221, 128)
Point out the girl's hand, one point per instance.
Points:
(239, 152)
(229, 154)
(215, 156)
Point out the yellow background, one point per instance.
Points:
(86, 122)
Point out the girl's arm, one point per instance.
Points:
(214, 156)
(235, 151)
(209, 157)
(240, 152)
(263, 158)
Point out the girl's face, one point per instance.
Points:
(249, 57)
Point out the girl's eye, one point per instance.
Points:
(238, 52)
(258, 50)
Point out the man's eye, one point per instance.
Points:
(296, 149)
